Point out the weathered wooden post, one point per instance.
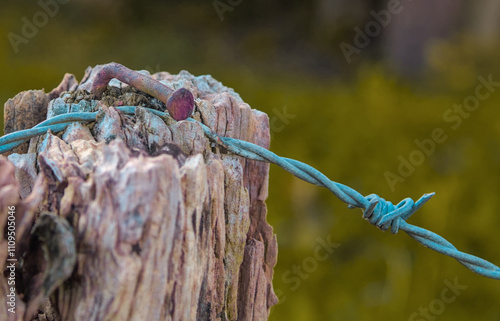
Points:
(136, 217)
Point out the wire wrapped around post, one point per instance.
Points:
(379, 212)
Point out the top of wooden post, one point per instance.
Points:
(165, 223)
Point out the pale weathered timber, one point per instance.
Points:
(167, 225)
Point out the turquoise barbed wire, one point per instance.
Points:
(379, 212)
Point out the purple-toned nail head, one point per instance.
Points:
(180, 104)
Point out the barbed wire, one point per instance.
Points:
(379, 212)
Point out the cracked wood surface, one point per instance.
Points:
(167, 225)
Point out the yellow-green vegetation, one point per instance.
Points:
(355, 130)
(355, 134)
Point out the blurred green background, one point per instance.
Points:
(353, 115)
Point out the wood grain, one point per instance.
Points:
(167, 225)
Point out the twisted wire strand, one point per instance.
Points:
(376, 210)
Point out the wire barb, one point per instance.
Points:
(376, 210)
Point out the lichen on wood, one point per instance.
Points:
(167, 225)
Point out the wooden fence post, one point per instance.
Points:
(138, 217)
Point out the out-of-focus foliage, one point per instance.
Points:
(351, 121)
(354, 134)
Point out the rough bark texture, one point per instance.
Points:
(25, 110)
(167, 226)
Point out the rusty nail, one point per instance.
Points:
(180, 103)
